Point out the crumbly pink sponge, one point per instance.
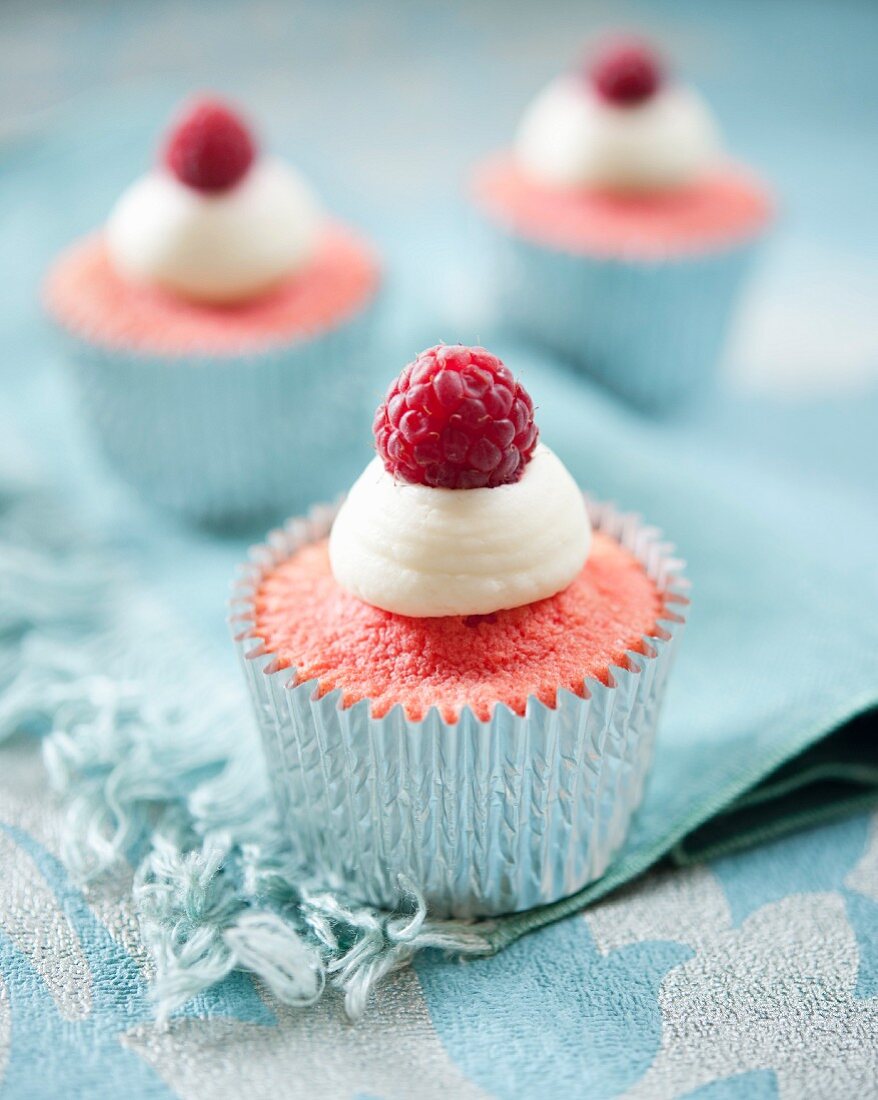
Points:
(85, 295)
(305, 620)
(728, 207)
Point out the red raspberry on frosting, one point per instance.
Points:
(455, 418)
(210, 148)
(626, 73)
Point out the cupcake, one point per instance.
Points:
(620, 232)
(219, 328)
(457, 675)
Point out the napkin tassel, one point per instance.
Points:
(180, 793)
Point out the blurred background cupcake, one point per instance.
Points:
(220, 327)
(621, 231)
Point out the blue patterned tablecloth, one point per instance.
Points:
(755, 975)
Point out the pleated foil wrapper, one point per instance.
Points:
(650, 330)
(484, 817)
(223, 439)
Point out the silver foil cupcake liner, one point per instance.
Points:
(652, 330)
(484, 817)
(227, 438)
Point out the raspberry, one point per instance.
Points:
(456, 419)
(626, 73)
(210, 148)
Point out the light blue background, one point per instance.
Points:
(386, 107)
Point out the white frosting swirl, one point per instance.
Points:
(570, 137)
(221, 247)
(427, 552)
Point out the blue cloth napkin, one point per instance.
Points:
(775, 509)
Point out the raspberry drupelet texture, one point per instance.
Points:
(455, 418)
(626, 73)
(210, 148)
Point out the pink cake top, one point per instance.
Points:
(85, 295)
(305, 620)
(727, 207)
